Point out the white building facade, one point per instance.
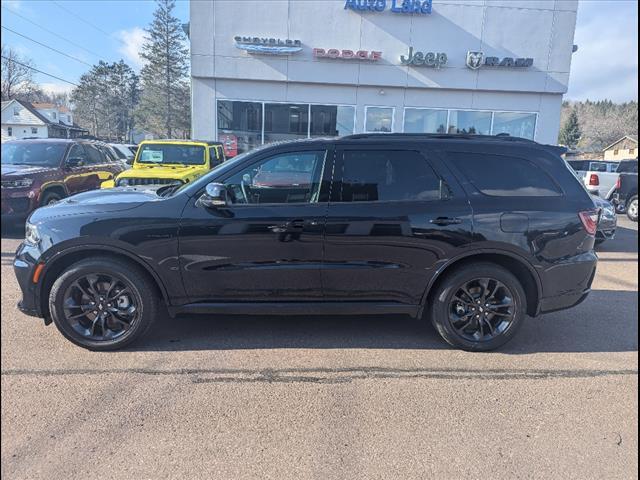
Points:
(265, 71)
(38, 120)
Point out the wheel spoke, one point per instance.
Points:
(77, 315)
(499, 314)
(488, 322)
(119, 293)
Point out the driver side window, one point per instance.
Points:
(292, 177)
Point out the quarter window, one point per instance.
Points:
(285, 178)
(387, 175)
(504, 176)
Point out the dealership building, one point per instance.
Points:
(270, 70)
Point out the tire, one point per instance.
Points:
(632, 209)
(140, 294)
(444, 306)
(50, 198)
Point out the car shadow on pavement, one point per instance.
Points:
(589, 327)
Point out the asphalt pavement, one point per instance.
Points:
(329, 397)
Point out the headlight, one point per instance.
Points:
(21, 183)
(123, 183)
(31, 236)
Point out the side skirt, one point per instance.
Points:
(297, 308)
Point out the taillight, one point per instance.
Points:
(593, 179)
(617, 187)
(589, 220)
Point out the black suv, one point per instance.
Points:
(472, 232)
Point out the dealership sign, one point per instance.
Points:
(427, 59)
(476, 60)
(396, 6)
(270, 46)
(346, 54)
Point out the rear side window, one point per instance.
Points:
(387, 175)
(95, 156)
(628, 167)
(504, 175)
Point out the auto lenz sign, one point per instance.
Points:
(476, 60)
(396, 6)
(271, 46)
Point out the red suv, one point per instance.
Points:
(38, 172)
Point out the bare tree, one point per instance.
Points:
(17, 77)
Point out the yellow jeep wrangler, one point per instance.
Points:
(164, 162)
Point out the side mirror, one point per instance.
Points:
(214, 196)
(75, 162)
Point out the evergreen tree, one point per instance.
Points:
(570, 133)
(163, 109)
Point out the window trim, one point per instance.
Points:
(339, 161)
(393, 118)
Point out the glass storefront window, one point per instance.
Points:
(332, 120)
(239, 126)
(515, 124)
(285, 121)
(422, 120)
(469, 121)
(378, 119)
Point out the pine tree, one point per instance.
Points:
(164, 76)
(570, 133)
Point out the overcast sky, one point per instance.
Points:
(605, 65)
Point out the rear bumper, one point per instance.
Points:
(568, 283)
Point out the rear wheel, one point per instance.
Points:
(478, 307)
(103, 304)
(632, 209)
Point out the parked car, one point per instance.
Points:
(625, 195)
(164, 162)
(39, 172)
(125, 151)
(472, 232)
(608, 221)
(598, 176)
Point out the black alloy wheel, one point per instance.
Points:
(481, 309)
(100, 306)
(478, 307)
(103, 303)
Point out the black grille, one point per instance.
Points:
(150, 181)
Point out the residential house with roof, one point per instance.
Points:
(39, 120)
(624, 149)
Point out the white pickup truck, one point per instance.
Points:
(600, 177)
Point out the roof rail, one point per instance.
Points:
(443, 136)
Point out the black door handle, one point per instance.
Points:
(443, 221)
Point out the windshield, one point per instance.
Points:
(166, 153)
(38, 154)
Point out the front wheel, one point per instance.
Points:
(632, 209)
(478, 307)
(103, 303)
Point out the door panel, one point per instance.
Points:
(390, 225)
(257, 251)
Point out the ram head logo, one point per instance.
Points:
(474, 59)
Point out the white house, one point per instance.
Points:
(40, 120)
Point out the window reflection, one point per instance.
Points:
(515, 124)
(471, 122)
(379, 119)
(331, 120)
(422, 120)
(285, 121)
(239, 126)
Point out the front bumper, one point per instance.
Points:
(18, 203)
(24, 265)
